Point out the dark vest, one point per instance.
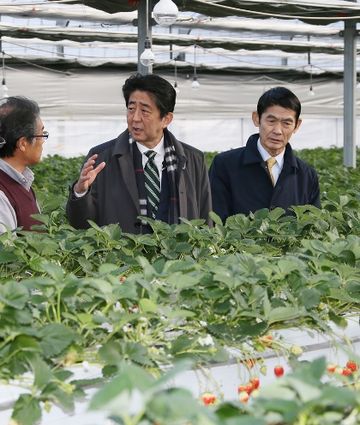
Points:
(23, 201)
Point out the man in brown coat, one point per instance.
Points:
(145, 171)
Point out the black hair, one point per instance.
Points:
(162, 92)
(18, 116)
(279, 96)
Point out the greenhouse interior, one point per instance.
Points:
(248, 320)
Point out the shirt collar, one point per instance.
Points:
(265, 154)
(159, 148)
(25, 179)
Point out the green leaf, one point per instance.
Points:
(130, 377)
(353, 289)
(7, 257)
(147, 306)
(283, 314)
(14, 294)
(310, 372)
(289, 265)
(266, 305)
(180, 366)
(56, 393)
(305, 391)
(27, 410)
(25, 343)
(310, 297)
(41, 370)
(107, 268)
(215, 218)
(55, 338)
(244, 420)
(53, 270)
(169, 406)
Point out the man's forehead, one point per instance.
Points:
(280, 113)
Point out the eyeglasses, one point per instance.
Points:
(45, 135)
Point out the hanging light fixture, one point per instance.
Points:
(147, 57)
(311, 90)
(176, 87)
(4, 89)
(165, 12)
(195, 83)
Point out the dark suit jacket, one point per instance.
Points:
(240, 182)
(114, 198)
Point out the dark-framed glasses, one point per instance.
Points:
(44, 136)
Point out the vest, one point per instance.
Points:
(23, 201)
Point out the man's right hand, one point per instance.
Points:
(88, 174)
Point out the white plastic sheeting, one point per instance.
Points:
(86, 107)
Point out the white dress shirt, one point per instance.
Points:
(159, 157)
(276, 170)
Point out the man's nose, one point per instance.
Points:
(137, 114)
(277, 127)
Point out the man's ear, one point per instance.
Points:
(22, 143)
(298, 124)
(167, 119)
(256, 119)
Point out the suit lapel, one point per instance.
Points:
(126, 164)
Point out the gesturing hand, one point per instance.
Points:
(88, 174)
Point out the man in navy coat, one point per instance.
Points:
(265, 173)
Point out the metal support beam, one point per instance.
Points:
(349, 94)
(144, 29)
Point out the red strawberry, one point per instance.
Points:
(278, 371)
(346, 371)
(352, 365)
(255, 382)
(241, 389)
(208, 398)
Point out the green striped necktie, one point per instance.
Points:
(152, 183)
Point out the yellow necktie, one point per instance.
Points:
(270, 163)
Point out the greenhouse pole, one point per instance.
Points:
(144, 30)
(349, 94)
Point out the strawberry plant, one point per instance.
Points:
(187, 291)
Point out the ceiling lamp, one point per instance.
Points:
(176, 86)
(195, 83)
(147, 57)
(165, 12)
(4, 89)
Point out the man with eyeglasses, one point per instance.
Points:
(22, 137)
(145, 171)
(265, 173)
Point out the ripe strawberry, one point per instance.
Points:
(255, 382)
(208, 398)
(352, 365)
(278, 371)
(249, 388)
(241, 389)
(244, 397)
(346, 371)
